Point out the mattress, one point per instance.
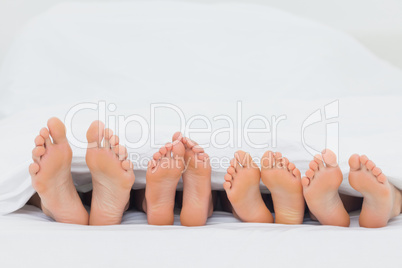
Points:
(28, 238)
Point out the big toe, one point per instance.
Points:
(57, 130)
(329, 158)
(178, 150)
(244, 158)
(95, 133)
(354, 162)
(177, 136)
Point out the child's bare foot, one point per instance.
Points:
(381, 200)
(283, 181)
(320, 188)
(163, 174)
(243, 190)
(51, 175)
(197, 195)
(112, 175)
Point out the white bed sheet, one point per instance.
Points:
(30, 239)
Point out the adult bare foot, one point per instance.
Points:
(242, 186)
(320, 189)
(283, 181)
(163, 174)
(197, 195)
(381, 200)
(112, 175)
(51, 175)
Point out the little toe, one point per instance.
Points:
(354, 162)
(95, 134)
(329, 158)
(57, 130)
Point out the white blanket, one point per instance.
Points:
(198, 61)
(378, 139)
(28, 238)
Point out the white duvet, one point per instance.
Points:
(171, 65)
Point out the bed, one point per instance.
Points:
(161, 65)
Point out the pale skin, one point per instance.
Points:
(381, 200)
(113, 178)
(242, 186)
(180, 158)
(319, 188)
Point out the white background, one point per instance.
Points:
(376, 23)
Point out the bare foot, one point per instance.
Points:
(112, 175)
(163, 174)
(320, 188)
(242, 187)
(197, 194)
(283, 181)
(381, 200)
(51, 175)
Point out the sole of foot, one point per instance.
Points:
(320, 189)
(381, 200)
(283, 180)
(163, 174)
(242, 186)
(197, 194)
(112, 175)
(51, 175)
